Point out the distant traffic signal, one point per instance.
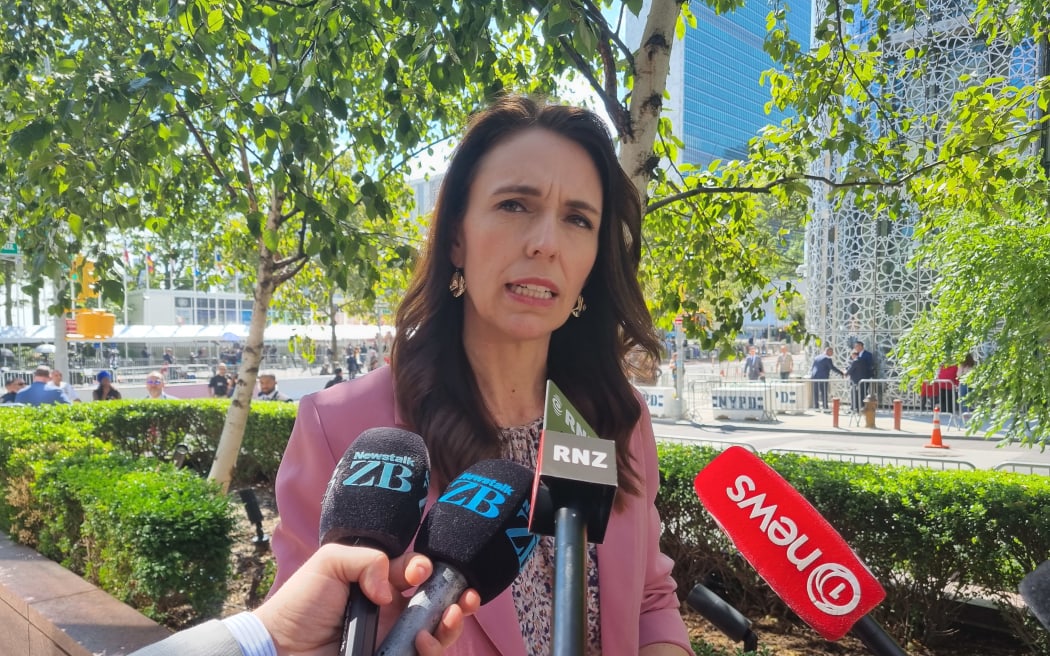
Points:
(85, 282)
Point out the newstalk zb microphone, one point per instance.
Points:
(796, 551)
(477, 536)
(374, 499)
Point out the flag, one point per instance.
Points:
(195, 265)
(149, 262)
(127, 255)
(218, 261)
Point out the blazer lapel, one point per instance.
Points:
(499, 620)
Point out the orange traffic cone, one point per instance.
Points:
(935, 436)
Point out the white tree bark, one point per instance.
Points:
(237, 416)
(652, 65)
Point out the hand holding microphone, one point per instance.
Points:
(306, 614)
(374, 499)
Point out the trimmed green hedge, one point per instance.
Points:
(91, 486)
(931, 537)
(147, 427)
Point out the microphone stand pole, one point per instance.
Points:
(875, 638)
(570, 540)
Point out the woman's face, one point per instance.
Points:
(529, 236)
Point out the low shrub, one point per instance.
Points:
(151, 535)
(154, 428)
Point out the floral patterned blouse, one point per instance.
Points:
(533, 590)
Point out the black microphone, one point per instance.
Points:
(374, 499)
(1035, 590)
(726, 619)
(477, 536)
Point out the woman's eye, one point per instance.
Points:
(581, 221)
(512, 206)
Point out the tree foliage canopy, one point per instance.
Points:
(285, 129)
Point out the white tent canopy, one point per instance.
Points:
(139, 334)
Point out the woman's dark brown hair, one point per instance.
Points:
(436, 389)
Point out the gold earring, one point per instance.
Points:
(578, 309)
(458, 284)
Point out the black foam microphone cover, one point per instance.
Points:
(374, 499)
(479, 526)
(477, 535)
(377, 492)
(1035, 589)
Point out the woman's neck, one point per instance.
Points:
(512, 379)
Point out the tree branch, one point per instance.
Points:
(834, 184)
(295, 261)
(253, 200)
(597, 18)
(181, 111)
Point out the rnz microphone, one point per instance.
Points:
(796, 551)
(374, 499)
(1035, 589)
(477, 536)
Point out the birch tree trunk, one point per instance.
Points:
(652, 66)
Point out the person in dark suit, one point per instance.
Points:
(306, 615)
(820, 372)
(861, 368)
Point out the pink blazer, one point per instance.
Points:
(636, 592)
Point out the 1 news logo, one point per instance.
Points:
(832, 588)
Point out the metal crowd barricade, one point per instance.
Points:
(721, 445)
(732, 399)
(1020, 467)
(877, 459)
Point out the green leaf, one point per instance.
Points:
(260, 75)
(216, 21)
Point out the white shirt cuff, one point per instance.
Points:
(250, 633)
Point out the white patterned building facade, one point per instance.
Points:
(861, 285)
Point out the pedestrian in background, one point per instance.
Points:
(947, 381)
(268, 388)
(13, 385)
(753, 367)
(338, 378)
(105, 390)
(155, 386)
(785, 363)
(67, 389)
(219, 385)
(819, 373)
(965, 368)
(861, 368)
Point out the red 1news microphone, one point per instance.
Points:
(572, 498)
(374, 499)
(1035, 589)
(477, 536)
(796, 551)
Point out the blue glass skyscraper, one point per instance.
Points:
(716, 103)
(722, 60)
